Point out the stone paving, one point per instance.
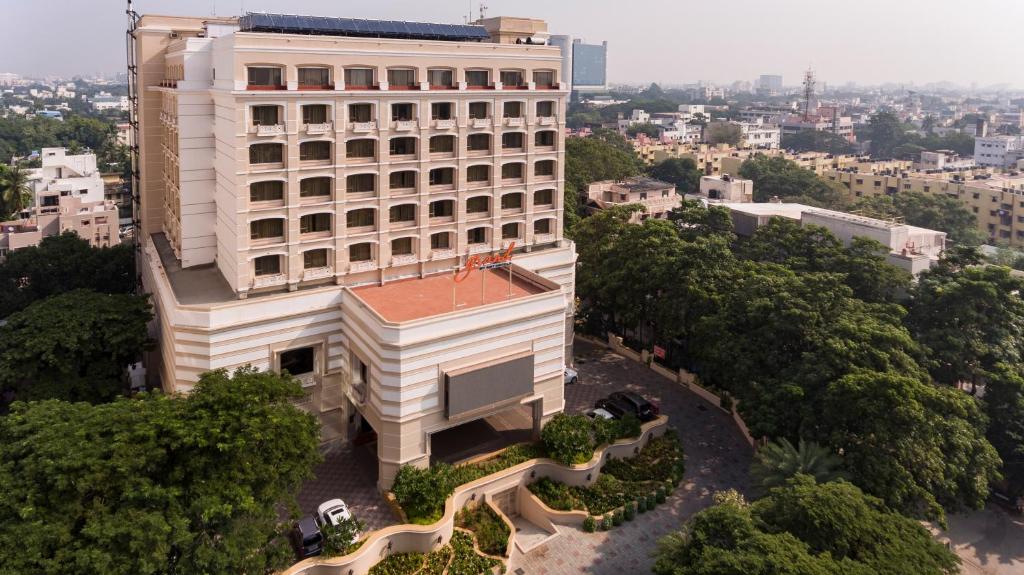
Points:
(349, 474)
(717, 458)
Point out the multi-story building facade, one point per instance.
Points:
(324, 201)
(998, 151)
(658, 198)
(95, 222)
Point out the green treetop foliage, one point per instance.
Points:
(780, 460)
(932, 211)
(890, 138)
(723, 133)
(15, 194)
(646, 129)
(817, 141)
(73, 346)
(969, 319)
(158, 485)
(603, 156)
(682, 172)
(776, 176)
(1004, 405)
(695, 220)
(803, 528)
(60, 264)
(19, 136)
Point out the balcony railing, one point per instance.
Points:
(404, 259)
(480, 123)
(269, 280)
(321, 128)
(268, 129)
(317, 273)
(405, 125)
(363, 126)
(546, 120)
(543, 238)
(306, 379)
(444, 124)
(441, 254)
(514, 122)
(479, 248)
(355, 267)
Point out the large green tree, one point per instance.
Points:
(15, 194)
(723, 133)
(817, 141)
(932, 211)
(603, 156)
(885, 132)
(803, 528)
(73, 346)
(1004, 405)
(158, 485)
(682, 172)
(63, 263)
(780, 460)
(775, 176)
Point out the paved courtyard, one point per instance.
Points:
(988, 541)
(717, 458)
(350, 474)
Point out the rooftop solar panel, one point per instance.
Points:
(297, 24)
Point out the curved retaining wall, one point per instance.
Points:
(425, 538)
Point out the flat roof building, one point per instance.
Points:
(657, 197)
(377, 213)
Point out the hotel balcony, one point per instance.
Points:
(362, 127)
(480, 123)
(267, 130)
(356, 267)
(269, 280)
(547, 120)
(317, 273)
(323, 128)
(514, 122)
(448, 124)
(404, 125)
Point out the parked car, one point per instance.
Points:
(333, 512)
(306, 538)
(598, 413)
(643, 409)
(616, 407)
(570, 375)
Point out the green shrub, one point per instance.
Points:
(629, 511)
(466, 560)
(629, 426)
(437, 560)
(660, 460)
(568, 439)
(491, 532)
(606, 523)
(341, 539)
(660, 495)
(606, 431)
(589, 525)
(641, 505)
(399, 564)
(617, 517)
(652, 501)
(555, 495)
(607, 493)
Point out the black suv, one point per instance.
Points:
(616, 407)
(643, 409)
(306, 538)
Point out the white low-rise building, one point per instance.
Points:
(725, 189)
(998, 151)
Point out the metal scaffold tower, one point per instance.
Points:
(133, 144)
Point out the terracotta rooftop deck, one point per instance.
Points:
(417, 298)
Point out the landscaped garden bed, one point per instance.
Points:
(626, 486)
(458, 557)
(491, 532)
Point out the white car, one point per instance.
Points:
(571, 376)
(598, 413)
(333, 512)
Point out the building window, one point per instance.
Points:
(512, 78)
(512, 140)
(512, 171)
(402, 146)
(512, 109)
(360, 112)
(313, 187)
(401, 247)
(266, 154)
(402, 213)
(509, 231)
(543, 197)
(544, 168)
(478, 78)
(442, 209)
(361, 183)
(265, 77)
(402, 112)
(544, 139)
(440, 241)
(266, 229)
(314, 259)
(402, 180)
(478, 205)
(315, 78)
(401, 78)
(267, 265)
(442, 144)
(476, 236)
(542, 226)
(360, 252)
(363, 148)
(358, 78)
(442, 176)
(478, 143)
(314, 223)
(298, 361)
(544, 78)
(361, 218)
(266, 191)
(314, 151)
(441, 111)
(360, 371)
(546, 109)
(478, 111)
(265, 116)
(512, 202)
(441, 78)
(314, 114)
(480, 173)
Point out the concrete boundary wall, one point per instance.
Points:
(682, 377)
(426, 538)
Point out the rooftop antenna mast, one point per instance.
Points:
(483, 10)
(808, 92)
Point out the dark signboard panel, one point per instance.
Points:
(470, 390)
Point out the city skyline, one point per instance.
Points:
(896, 49)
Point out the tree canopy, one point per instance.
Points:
(932, 211)
(603, 156)
(156, 485)
(817, 141)
(777, 176)
(682, 172)
(723, 133)
(890, 138)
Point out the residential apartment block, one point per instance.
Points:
(377, 213)
(657, 197)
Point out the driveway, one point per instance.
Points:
(717, 458)
(988, 541)
(349, 473)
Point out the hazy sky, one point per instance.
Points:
(866, 41)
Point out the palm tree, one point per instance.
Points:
(779, 460)
(15, 194)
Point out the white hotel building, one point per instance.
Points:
(312, 190)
